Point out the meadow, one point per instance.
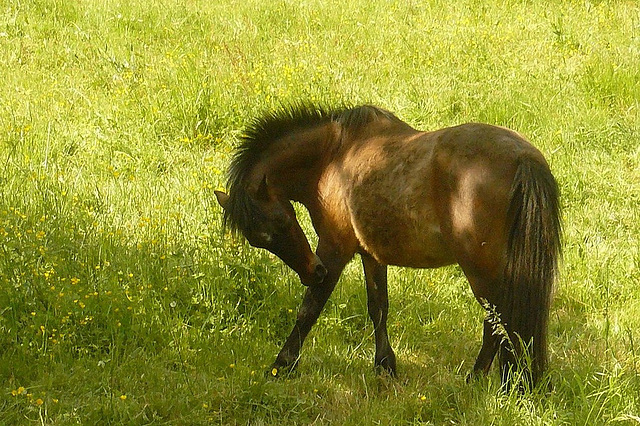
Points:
(124, 301)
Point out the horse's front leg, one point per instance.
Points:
(378, 304)
(315, 298)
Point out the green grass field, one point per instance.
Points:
(123, 301)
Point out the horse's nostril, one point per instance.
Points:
(320, 272)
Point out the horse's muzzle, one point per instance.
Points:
(318, 275)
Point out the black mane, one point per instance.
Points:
(241, 210)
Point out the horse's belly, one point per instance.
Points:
(403, 240)
(414, 254)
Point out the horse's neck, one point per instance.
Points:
(295, 164)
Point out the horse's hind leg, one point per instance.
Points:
(378, 305)
(490, 345)
(484, 276)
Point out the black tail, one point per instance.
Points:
(534, 249)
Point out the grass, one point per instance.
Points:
(122, 301)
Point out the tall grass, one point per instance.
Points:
(123, 301)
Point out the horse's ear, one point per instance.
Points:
(263, 190)
(223, 198)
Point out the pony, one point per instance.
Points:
(475, 194)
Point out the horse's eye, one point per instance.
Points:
(265, 237)
(259, 239)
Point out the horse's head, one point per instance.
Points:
(270, 223)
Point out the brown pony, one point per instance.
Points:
(475, 194)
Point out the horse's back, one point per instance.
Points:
(490, 145)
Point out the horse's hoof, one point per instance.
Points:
(473, 376)
(387, 366)
(382, 371)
